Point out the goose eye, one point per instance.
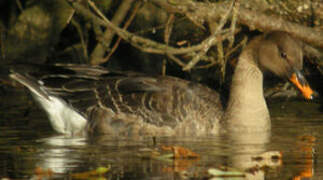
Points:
(283, 55)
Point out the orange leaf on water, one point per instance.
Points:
(40, 173)
(180, 152)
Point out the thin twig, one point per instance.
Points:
(168, 28)
(127, 24)
(234, 49)
(164, 67)
(211, 41)
(19, 5)
(176, 60)
(99, 51)
(80, 32)
(167, 34)
(234, 22)
(221, 59)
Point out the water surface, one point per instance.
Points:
(30, 149)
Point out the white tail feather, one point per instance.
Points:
(63, 117)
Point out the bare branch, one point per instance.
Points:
(211, 40)
(99, 51)
(127, 24)
(234, 22)
(253, 19)
(144, 44)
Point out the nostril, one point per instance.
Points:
(315, 97)
(312, 97)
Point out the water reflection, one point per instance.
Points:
(246, 147)
(60, 154)
(245, 152)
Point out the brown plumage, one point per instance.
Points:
(128, 104)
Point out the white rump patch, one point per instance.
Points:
(64, 118)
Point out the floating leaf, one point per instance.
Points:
(223, 173)
(90, 174)
(102, 170)
(40, 173)
(180, 152)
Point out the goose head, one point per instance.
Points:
(282, 55)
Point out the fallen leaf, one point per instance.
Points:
(93, 173)
(223, 173)
(40, 173)
(180, 152)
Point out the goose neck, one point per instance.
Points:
(247, 109)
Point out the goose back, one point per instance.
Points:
(127, 103)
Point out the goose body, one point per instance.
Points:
(82, 99)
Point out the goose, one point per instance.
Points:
(84, 99)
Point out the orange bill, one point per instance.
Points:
(302, 85)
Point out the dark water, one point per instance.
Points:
(29, 149)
